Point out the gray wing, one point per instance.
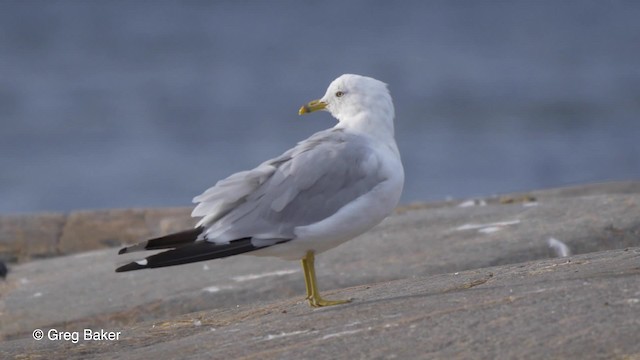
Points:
(305, 185)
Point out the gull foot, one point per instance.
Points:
(319, 302)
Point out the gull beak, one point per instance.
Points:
(312, 106)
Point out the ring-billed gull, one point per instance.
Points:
(328, 189)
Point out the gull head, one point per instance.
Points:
(355, 99)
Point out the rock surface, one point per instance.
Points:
(33, 236)
(470, 279)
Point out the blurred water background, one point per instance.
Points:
(114, 104)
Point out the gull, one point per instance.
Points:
(328, 189)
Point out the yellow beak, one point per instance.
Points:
(312, 106)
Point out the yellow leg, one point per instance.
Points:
(313, 295)
(307, 279)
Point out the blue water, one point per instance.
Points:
(143, 103)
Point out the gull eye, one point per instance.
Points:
(339, 94)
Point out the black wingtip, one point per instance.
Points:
(197, 251)
(130, 267)
(170, 241)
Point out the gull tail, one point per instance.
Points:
(166, 242)
(195, 251)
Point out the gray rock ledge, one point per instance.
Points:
(466, 279)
